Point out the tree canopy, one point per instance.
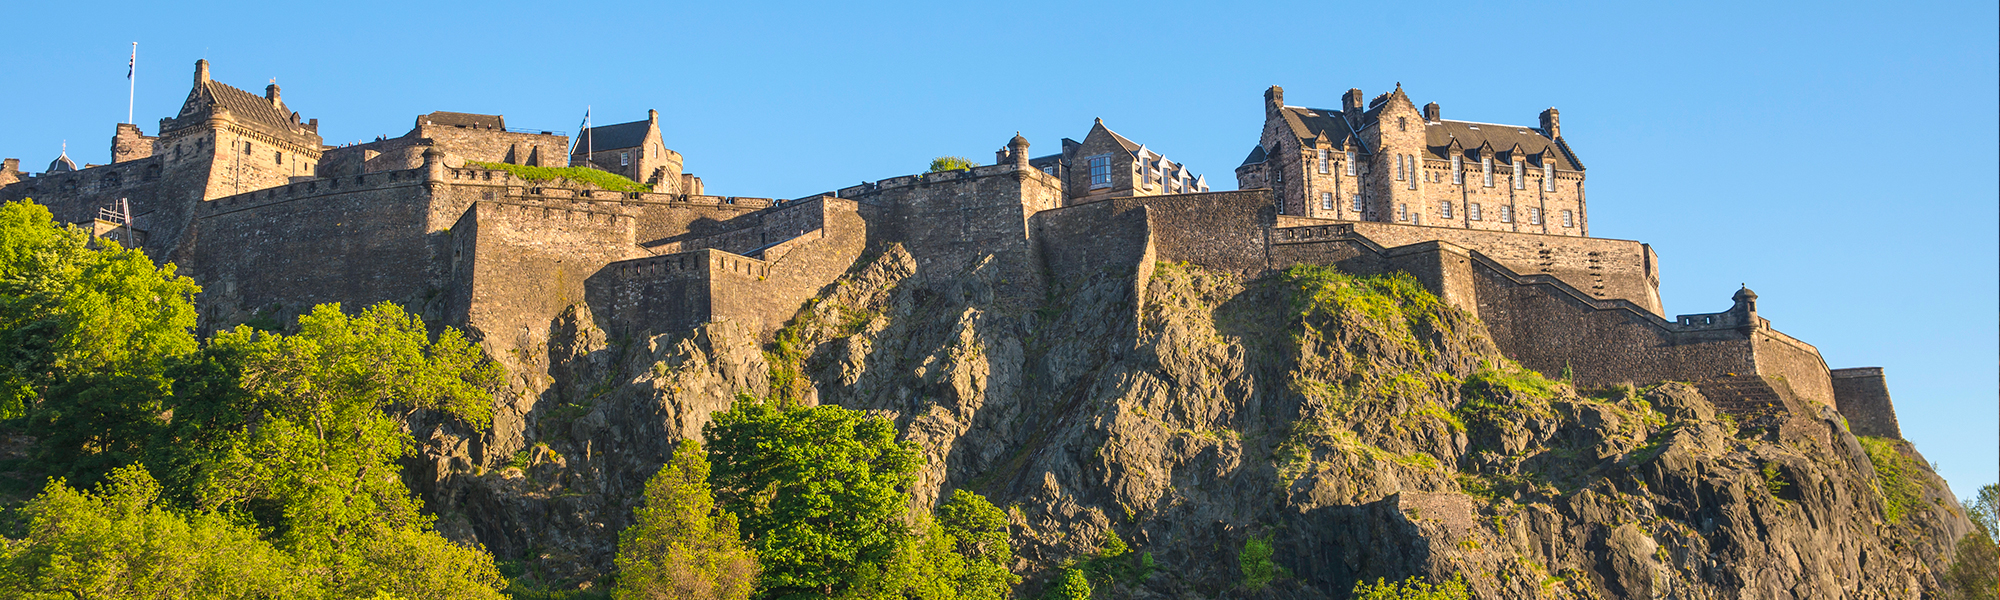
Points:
(680, 544)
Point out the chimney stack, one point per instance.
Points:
(653, 116)
(1351, 102)
(1431, 113)
(1552, 123)
(1274, 99)
(271, 93)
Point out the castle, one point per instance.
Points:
(249, 201)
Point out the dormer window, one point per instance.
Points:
(1548, 175)
(1457, 169)
(1353, 167)
(1486, 169)
(1323, 162)
(1520, 175)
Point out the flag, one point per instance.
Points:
(131, 63)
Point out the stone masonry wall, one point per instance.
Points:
(1862, 395)
(268, 251)
(1605, 268)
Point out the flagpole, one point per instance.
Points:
(131, 82)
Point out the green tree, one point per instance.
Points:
(1255, 561)
(980, 530)
(87, 328)
(1071, 585)
(120, 542)
(680, 545)
(319, 468)
(951, 163)
(819, 491)
(1975, 566)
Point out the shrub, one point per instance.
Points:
(1255, 560)
(1892, 477)
(1412, 589)
(950, 163)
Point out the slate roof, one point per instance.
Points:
(1256, 155)
(1502, 137)
(459, 119)
(1309, 123)
(612, 137)
(247, 106)
(62, 164)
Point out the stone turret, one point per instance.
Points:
(1018, 147)
(1745, 309)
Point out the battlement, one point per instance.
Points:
(866, 189)
(313, 188)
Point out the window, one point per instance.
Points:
(1100, 171)
(1049, 169)
(1486, 169)
(1322, 162)
(1402, 212)
(279, 157)
(1359, 204)
(1444, 209)
(1353, 167)
(246, 148)
(1458, 169)
(1416, 170)
(1520, 175)
(1548, 174)
(624, 159)
(1506, 213)
(1472, 211)
(1567, 220)
(1402, 123)
(1400, 159)
(1326, 200)
(1534, 215)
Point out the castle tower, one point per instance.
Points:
(1398, 141)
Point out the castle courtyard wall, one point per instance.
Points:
(1862, 395)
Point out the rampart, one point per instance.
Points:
(950, 220)
(1862, 395)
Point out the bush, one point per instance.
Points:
(1412, 589)
(1255, 560)
(950, 163)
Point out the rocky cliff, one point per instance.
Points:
(1355, 427)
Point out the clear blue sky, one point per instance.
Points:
(1838, 157)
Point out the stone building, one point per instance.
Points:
(1107, 165)
(1391, 162)
(635, 151)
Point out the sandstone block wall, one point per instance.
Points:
(269, 250)
(949, 221)
(1862, 395)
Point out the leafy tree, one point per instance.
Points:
(1413, 588)
(87, 328)
(980, 530)
(1973, 573)
(951, 163)
(120, 542)
(1071, 585)
(319, 467)
(819, 491)
(680, 546)
(1255, 561)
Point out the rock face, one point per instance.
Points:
(1358, 427)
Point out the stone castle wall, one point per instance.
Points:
(1862, 395)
